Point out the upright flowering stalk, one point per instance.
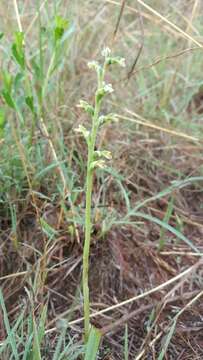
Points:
(96, 158)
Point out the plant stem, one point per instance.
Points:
(88, 223)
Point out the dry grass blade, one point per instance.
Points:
(169, 57)
(164, 19)
(172, 327)
(142, 121)
(185, 273)
(146, 204)
(119, 18)
(17, 15)
(28, 30)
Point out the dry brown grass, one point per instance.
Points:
(157, 141)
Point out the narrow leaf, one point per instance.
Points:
(11, 337)
(93, 344)
(8, 99)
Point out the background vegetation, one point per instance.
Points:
(146, 250)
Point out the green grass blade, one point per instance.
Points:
(36, 343)
(166, 220)
(41, 328)
(168, 190)
(93, 344)
(157, 221)
(57, 352)
(13, 331)
(28, 348)
(126, 350)
(10, 334)
(167, 340)
(169, 228)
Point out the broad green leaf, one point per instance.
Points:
(93, 344)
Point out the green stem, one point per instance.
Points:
(88, 223)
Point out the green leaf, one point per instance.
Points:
(48, 230)
(126, 345)
(8, 99)
(61, 22)
(41, 327)
(168, 227)
(7, 81)
(19, 40)
(61, 25)
(1, 35)
(36, 68)
(166, 220)
(18, 50)
(167, 340)
(36, 343)
(2, 122)
(93, 344)
(19, 57)
(10, 334)
(30, 103)
(115, 60)
(17, 81)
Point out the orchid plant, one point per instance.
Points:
(96, 158)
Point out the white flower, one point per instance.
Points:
(105, 89)
(81, 129)
(108, 88)
(103, 153)
(104, 119)
(106, 52)
(93, 64)
(86, 106)
(98, 163)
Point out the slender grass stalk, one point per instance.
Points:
(94, 160)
